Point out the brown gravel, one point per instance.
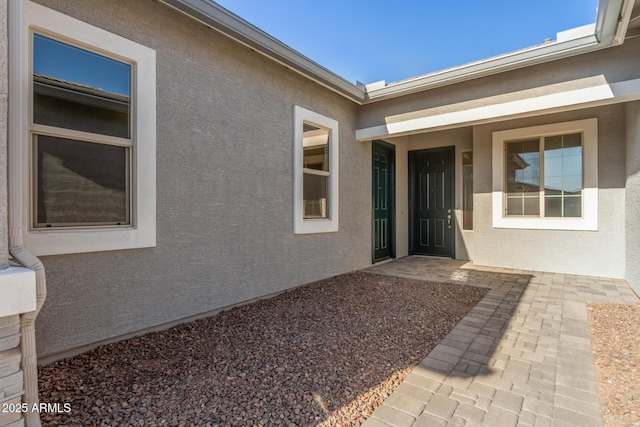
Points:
(326, 354)
(616, 349)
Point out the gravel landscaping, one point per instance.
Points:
(327, 353)
(616, 351)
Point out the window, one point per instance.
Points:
(79, 180)
(315, 172)
(90, 166)
(467, 190)
(546, 176)
(551, 188)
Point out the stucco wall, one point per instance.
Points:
(224, 188)
(597, 253)
(462, 140)
(4, 46)
(632, 199)
(604, 67)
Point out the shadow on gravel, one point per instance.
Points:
(478, 335)
(326, 353)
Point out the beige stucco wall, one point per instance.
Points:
(596, 253)
(632, 199)
(224, 188)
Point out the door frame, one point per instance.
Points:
(452, 189)
(391, 191)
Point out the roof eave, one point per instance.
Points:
(229, 24)
(611, 23)
(610, 27)
(498, 64)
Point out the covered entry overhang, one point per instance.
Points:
(598, 93)
(451, 116)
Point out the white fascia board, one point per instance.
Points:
(610, 15)
(611, 24)
(487, 67)
(624, 91)
(231, 25)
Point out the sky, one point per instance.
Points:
(60, 60)
(377, 40)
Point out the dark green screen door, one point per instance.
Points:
(383, 200)
(431, 199)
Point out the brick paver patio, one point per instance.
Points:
(521, 357)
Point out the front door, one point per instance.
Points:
(431, 202)
(383, 177)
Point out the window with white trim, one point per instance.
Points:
(546, 177)
(90, 155)
(315, 172)
(81, 131)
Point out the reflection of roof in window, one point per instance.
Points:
(518, 160)
(79, 93)
(43, 79)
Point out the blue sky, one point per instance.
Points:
(66, 62)
(382, 40)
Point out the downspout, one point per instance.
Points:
(15, 212)
(610, 13)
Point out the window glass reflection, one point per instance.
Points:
(315, 170)
(467, 190)
(523, 177)
(80, 90)
(563, 175)
(316, 148)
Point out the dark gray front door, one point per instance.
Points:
(431, 202)
(383, 165)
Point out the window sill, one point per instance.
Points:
(589, 222)
(315, 226)
(59, 242)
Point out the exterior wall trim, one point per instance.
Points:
(608, 31)
(612, 93)
(589, 220)
(227, 23)
(142, 232)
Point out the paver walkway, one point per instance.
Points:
(521, 357)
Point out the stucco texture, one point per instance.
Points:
(4, 46)
(632, 199)
(224, 188)
(604, 67)
(595, 253)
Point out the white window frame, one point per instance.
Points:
(142, 230)
(320, 225)
(589, 219)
